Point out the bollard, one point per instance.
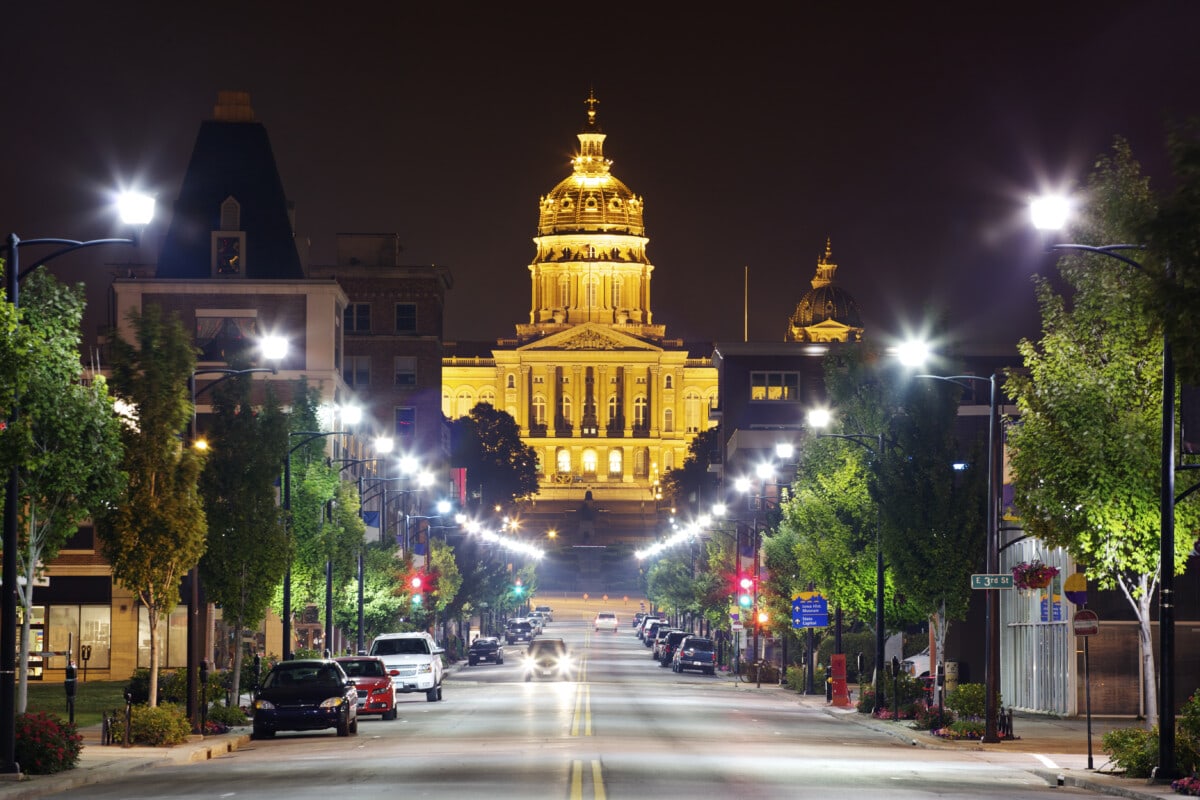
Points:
(203, 695)
(69, 685)
(106, 723)
(125, 742)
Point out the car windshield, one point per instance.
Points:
(364, 668)
(398, 647)
(484, 643)
(699, 644)
(545, 648)
(302, 674)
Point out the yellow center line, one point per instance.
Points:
(597, 782)
(576, 791)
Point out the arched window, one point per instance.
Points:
(615, 462)
(465, 402)
(539, 409)
(564, 291)
(691, 411)
(511, 381)
(641, 461)
(667, 383)
(668, 421)
(639, 411)
(614, 408)
(593, 291)
(565, 408)
(447, 405)
(616, 292)
(668, 459)
(488, 396)
(563, 460)
(589, 462)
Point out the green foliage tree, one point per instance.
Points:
(691, 486)
(72, 465)
(1085, 451)
(156, 531)
(247, 547)
(501, 469)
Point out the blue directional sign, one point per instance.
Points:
(810, 610)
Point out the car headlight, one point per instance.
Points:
(425, 668)
(529, 663)
(333, 702)
(565, 664)
(382, 690)
(264, 705)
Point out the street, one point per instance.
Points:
(625, 728)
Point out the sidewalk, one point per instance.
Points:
(99, 763)
(1059, 745)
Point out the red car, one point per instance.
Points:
(375, 692)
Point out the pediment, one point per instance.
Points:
(591, 337)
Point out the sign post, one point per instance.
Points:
(1085, 624)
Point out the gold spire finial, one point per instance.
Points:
(828, 249)
(591, 103)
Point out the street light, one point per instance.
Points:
(287, 512)
(820, 418)
(991, 658)
(135, 209)
(196, 620)
(1051, 213)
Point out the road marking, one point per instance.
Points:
(583, 710)
(1045, 761)
(577, 781)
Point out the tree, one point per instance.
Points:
(500, 467)
(691, 485)
(156, 531)
(247, 547)
(72, 467)
(1085, 451)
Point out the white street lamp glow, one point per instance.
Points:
(273, 347)
(1050, 213)
(718, 509)
(784, 450)
(443, 506)
(742, 484)
(819, 418)
(765, 471)
(425, 479)
(383, 445)
(409, 464)
(135, 208)
(912, 353)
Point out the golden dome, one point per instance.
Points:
(591, 198)
(827, 312)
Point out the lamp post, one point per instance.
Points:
(866, 440)
(991, 656)
(135, 210)
(196, 620)
(1050, 213)
(287, 511)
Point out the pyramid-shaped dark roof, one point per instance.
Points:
(232, 158)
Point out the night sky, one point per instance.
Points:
(912, 134)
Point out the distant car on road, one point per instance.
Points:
(519, 630)
(548, 658)
(606, 621)
(485, 648)
(546, 611)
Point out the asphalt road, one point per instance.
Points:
(623, 728)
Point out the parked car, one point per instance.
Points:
(651, 631)
(413, 660)
(376, 695)
(643, 625)
(536, 622)
(637, 618)
(695, 652)
(668, 645)
(485, 648)
(519, 630)
(659, 637)
(546, 611)
(548, 658)
(607, 621)
(916, 665)
(305, 695)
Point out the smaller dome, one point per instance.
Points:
(827, 312)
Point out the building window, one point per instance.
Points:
(223, 338)
(565, 408)
(357, 318)
(538, 379)
(668, 421)
(614, 408)
(228, 254)
(466, 402)
(511, 381)
(488, 396)
(589, 462)
(667, 382)
(406, 370)
(172, 638)
(616, 293)
(406, 317)
(564, 291)
(406, 426)
(357, 371)
(775, 386)
(539, 409)
(639, 411)
(615, 463)
(691, 412)
(593, 291)
(447, 405)
(641, 463)
(563, 460)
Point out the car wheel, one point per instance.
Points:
(262, 733)
(431, 695)
(354, 726)
(343, 727)
(710, 671)
(499, 660)
(472, 662)
(388, 716)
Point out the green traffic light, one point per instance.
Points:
(417, 599)
(745, 600)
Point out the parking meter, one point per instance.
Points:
(125, 742)
(85, 655)
(895, 687)
(69, 685)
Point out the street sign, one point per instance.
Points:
(810, 610)
(1003, 580)
(1075, 588)
(1086, 623)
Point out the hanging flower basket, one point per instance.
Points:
(1033, 575)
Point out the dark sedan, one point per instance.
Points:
(485, 648)
(305, 695)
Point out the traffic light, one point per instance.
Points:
(518, 588)
(745, 592)
(763, 617)
(417, 584)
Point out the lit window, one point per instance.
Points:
(589, 461)
(539, 409)
(465, 402)
(488, 396)
(563, 460)
(668, 421)
(691, 412)
(639, 411)
(565, 408)
(614, 408)
(775, 386)
(615, 462)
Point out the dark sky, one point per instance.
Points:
(911, 133)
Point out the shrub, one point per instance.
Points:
(172, 686)
(227, 715)
(931, 718)
(967, 700)
(795, 678)
(1133, 750)
(963, 729)
(45, 743)
(162, 726)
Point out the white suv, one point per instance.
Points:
(413, 660)
(606, 620)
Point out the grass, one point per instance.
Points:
(91, 699)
